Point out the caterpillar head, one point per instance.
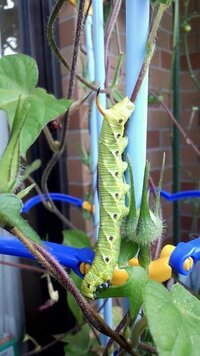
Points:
(119, 113)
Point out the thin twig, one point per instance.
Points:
(22, 266)
(109, 28)
(181, 130)
(119, 327)
(56, 155)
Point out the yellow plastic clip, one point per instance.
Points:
(88, 206)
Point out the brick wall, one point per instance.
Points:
(190, 96)
(159, 124)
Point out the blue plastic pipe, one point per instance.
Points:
(187, 194)
(98, 43)
(29, 204)
(137, 29)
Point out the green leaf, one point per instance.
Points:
(31, 168)
(73, 306)
(78, 343)
(10, 209)
(75, 238)
(133, 289)
(128, 250)
(18, 78)
(25, 191)
(173, 318)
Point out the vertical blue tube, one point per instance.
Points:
(93, 122)
(137, 29)
(98, 41)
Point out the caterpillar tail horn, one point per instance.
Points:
(101, 110)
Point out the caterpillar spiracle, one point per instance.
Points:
(112, 189)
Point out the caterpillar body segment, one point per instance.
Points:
(112, 197)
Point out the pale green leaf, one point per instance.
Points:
(31, 168)
(78, 343)
(75, 238)
(173, 319)
(10, 209)
(25, 191)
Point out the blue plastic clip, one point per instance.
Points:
(70, 257)
(182, 252)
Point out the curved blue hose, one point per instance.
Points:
(187, 194)
(29, 204)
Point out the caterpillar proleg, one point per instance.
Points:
(112, 190)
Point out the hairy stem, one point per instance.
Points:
(58, 272)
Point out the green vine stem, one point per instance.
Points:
(53, 145)
(55, 49)
(58, 272)
(56, 155)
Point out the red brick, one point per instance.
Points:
(166, 22)
(158, 119)
(189, 99)
(79, 120)
(166, 60)
(78, 190)
(164, 40)
(67, 32)
(77, 142)
(188, 156)
(155, 158)
(186, 222)
(187, 185)
(68, 10)
(194, 59)
(159, 78)
(156, 61)
(165, 138)
(76, 171)
(153, 139)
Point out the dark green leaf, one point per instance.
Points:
(75, 238)
(128, 250)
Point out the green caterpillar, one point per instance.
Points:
(112, 196)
